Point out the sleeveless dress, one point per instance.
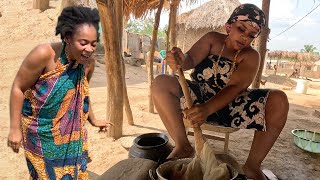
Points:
(247, 111)
(53, 116)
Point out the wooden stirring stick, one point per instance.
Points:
(199, 141)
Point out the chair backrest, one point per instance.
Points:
(163, 54)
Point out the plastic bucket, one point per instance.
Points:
(302, 86)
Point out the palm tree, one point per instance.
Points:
(308, 48)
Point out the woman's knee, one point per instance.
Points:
(277, 110)
(279, 99)
(164, 83)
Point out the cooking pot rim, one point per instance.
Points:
(150, 135)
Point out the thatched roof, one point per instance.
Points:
(293, 55)
(213, 14)
(139, 8)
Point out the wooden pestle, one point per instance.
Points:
(199, 141)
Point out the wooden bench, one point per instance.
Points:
(209, 127)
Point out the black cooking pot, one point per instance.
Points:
(153, 146)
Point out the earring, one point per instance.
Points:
(65, 41)
(66, 51)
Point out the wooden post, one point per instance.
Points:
(119, 17)
(110, 28)
(150, 58)
(41, 4)
(168, 48)
(262, 47)
(173, 22)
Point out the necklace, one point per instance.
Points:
(220, 54)
(69, 59)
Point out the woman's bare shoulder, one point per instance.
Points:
(41, 52)
(249, 54)
(213, 35)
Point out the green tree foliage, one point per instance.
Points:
(144, 27)
(308, 48)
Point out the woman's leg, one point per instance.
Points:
(277, 107)
(165, 94)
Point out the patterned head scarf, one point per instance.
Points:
(250, 13)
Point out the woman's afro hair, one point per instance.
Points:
(73, 16)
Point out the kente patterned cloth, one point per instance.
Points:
(247, 111)
(53, 116)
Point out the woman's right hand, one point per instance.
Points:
(15, 139)
(175, 58)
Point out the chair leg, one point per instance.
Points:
(187, 130)
(226, 143)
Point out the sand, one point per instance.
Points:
(22, 28)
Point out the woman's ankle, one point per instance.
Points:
(253, 172)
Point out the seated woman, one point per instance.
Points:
(224, 67)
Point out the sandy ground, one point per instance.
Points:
(23, 27)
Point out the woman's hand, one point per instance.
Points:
(15, 139)
(197, 114)
(103, 125)
(175, 58)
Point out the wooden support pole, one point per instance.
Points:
(119, 16)
(150, 58)
(41, 4)
(262, 47)
(112, 46)
(173, 22)
(168, 48)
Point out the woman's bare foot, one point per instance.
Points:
(184, 152)
(253, 173)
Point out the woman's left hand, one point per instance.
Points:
(103, 125)
(197, 114)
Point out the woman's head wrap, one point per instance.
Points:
(250, 13)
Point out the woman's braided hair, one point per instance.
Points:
(73, 16)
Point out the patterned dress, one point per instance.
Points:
(53, 116)
(247, 111)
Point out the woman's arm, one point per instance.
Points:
(240, 80)
(199, 51)
(29, 72)
(93, 121)
(193, 57)
(90, 69)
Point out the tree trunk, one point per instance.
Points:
(263, 43)
(112, 45)
(173, 23)
(150, 58)
(119, 16)
(41, 4)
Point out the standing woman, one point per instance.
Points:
(49, 101)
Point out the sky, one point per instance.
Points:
(283, 14)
